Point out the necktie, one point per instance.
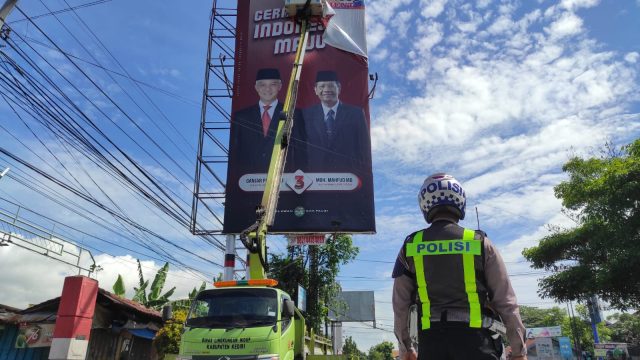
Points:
(266, 120)
(331, 123)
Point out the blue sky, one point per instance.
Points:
(498, 93)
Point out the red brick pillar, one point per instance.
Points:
(75, 315)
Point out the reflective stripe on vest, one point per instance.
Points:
(468, 247)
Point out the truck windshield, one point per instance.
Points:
(224, 308)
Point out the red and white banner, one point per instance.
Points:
(307, 239)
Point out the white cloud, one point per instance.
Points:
(477, 92)
(380, 15)
(568, 24)
(502, 25)
(402, 22)
(30, 278)
(430, 35)
(169, 72)
(576, 4)
(432, 8)
(376, 33)
(632, 57)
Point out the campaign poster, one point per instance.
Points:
(327, 185)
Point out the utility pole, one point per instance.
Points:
(576, 337)
(5, 10)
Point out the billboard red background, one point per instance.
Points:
(322, 211)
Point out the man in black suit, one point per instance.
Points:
(253, 128)
(337, 133)
(252, 136)
(338, 142)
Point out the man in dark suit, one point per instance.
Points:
(337, 133)
(338, 141)
(252, 136)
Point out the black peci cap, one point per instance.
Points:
(327, 75)
(264, 74)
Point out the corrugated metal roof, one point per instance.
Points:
(47, 310)
(7, 308)
(130, 304)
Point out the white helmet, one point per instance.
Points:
(441, 190)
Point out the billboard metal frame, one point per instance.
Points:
(213, 153)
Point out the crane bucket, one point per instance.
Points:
(315, 6)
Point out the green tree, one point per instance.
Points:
(600, 255)
(118, 287)
(582, 324)
(350, 350)
(555, 316)
(625, 328)
(185, 304)
(536, 317)
(167, 340)
(319, 279)
(289, 270)
(153, 299)
(382, 351)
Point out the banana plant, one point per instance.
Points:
(153, 299)
(118, 286)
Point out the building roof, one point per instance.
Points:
(9, 309)
(46, 311)
(130, 305)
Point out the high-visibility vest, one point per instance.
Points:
(467, 247)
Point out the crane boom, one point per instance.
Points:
(255, 236)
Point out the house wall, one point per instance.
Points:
(103, 345)
(8, 350)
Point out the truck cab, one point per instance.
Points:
(239, 320)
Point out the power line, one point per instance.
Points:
(146, 175)
(129, 76)
(154, 123)
(70, 8)
(137, 81)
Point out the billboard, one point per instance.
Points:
(328, 183)
(540, 332)
(354, 306)
(616, 351)
(302, 298)
(544, 349)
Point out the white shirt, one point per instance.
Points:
(271, 110)
(326, 110)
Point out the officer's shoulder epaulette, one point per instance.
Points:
(482, 233)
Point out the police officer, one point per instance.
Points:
(459, 282)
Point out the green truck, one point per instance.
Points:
(242, 320)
